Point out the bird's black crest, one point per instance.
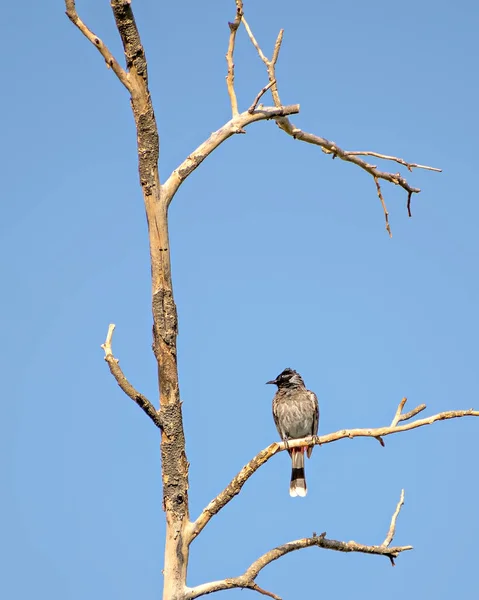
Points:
(288, 377)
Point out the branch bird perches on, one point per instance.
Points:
(235, 485)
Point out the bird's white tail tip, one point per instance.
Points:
(297, 491)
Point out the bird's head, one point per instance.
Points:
(288, 378)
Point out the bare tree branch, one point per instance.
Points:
(255, 43)
(247, 579)
(392, 527)
(255, 587)
(110, 60)
(412, 413)
(332, 148)
(409, 166)
(235, 125)
(230, 77)
(234, 487)
(226, 584)
(125, 385)
(398, 413)
(400, 416)
(383, 204)
(251, 109)
(277, 47)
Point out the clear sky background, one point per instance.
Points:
(280, 259)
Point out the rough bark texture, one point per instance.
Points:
(165, 323)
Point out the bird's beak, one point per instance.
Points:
(273, 381)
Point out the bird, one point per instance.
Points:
(296, 415)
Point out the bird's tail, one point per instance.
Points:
(297, 487)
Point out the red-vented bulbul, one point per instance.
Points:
(296, 415)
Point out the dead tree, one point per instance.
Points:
(181, 530)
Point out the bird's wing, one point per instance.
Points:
(276, 416)
(316, 413)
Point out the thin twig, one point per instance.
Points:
(386, 214)
(277, 47)
(247, 579)
(409, 196)
(230, 77)
(412, 413)
(397, 415)
(392, 527)
(261, 590)
(236, 484)
(252, 108)
(401, 161)
(125, 385)
(110, 60)
(254, 42)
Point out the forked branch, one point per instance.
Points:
(125, 385)
(247, 579)
(110, 60)
(239, 120)
(332, 148)
(234, 487)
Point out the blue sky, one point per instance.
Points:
(280, 259)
